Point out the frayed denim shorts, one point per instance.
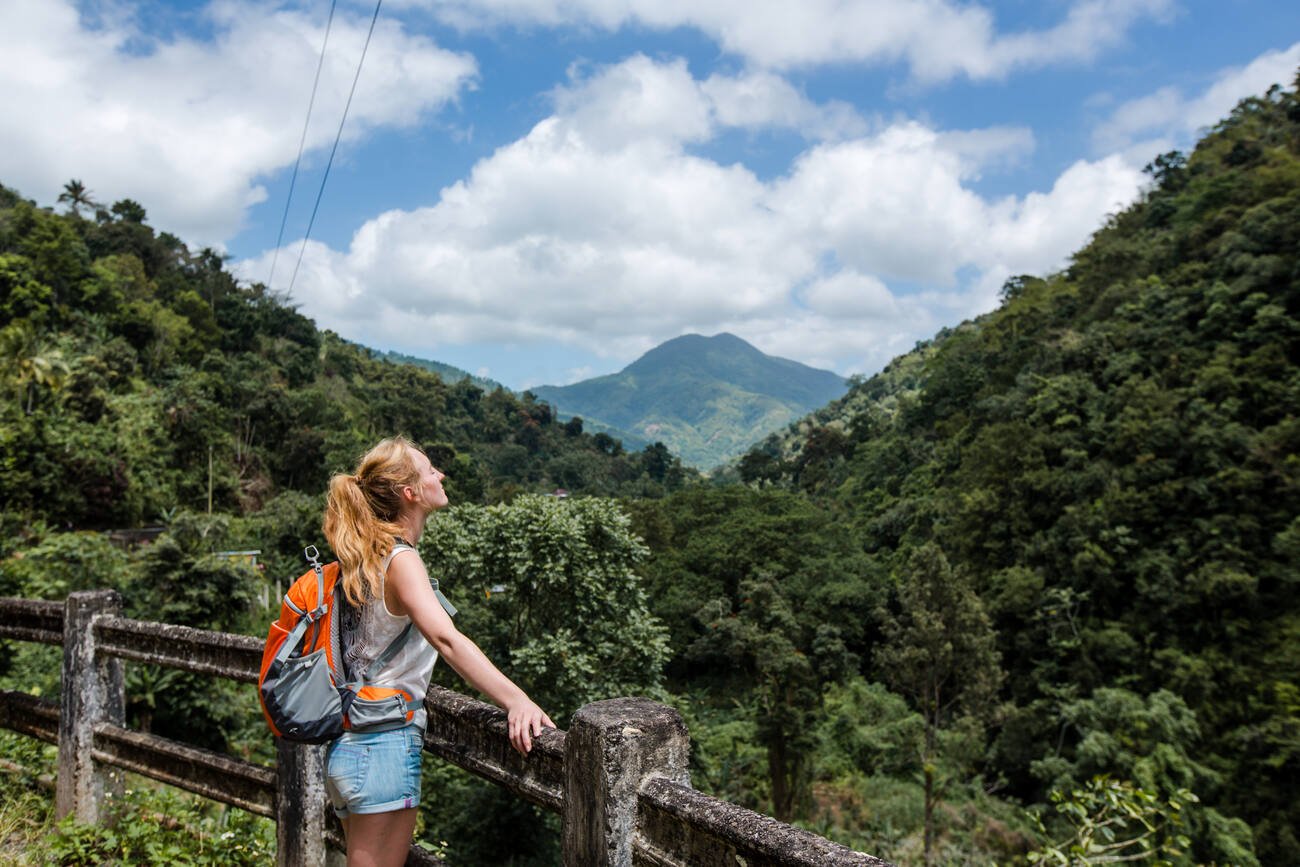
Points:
(374, 772)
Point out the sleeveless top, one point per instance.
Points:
(372, 627)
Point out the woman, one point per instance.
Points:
(373, 520)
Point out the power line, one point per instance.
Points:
(270, 281)
(333, 150)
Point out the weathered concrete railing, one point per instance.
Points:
(618, 777)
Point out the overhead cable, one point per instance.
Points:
(302, 141)
(334, 149)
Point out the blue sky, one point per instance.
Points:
(540, 190)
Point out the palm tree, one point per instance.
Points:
(31, 363)
(77, 196)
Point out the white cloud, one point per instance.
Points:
(189, 127)
(996, 146)
(1169, 118)
(851, 295)
(645, 100)
(600, 229)
(759, 100)
(936, 39)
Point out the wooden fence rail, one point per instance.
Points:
(618, 777)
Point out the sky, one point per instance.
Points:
(539, 191)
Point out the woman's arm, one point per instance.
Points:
(408, 592)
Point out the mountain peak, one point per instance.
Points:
(707, 398)
(723, 350)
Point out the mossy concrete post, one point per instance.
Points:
(92, 693)
(299, 805)
(611, 750)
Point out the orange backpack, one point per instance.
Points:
(305, 693)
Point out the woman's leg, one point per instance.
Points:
(379, 839)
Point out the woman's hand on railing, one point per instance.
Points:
(525, 721)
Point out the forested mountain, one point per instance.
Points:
(144, 379)
(449, 374)
(706, 398)
(1111, 463)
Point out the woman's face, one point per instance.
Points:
(428, 490)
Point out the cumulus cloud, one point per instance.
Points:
(601, 229)
(187, 126)
(642, 99)
(937, 39)
(1170, 118)
(763, 100)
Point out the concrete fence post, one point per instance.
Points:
(92, 692)
(299, 805)
(612, 748)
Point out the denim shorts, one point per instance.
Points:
(374, 772)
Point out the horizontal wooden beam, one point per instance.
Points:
(472, 735)
(31, 620)
(213, 775)
(30, 715)
(680, 827)
(221, 654)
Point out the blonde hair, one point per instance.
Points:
(361, 512)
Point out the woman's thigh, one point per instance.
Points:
(380, 839)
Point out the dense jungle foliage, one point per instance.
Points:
(1110, 462)
(1026, 596)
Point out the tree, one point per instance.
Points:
(1153, 741)
(21, 294)
(763, 640)
(1113, 821)
(129, 211)
(940, 651)
(547, 587)
(30, 362)
(77, 197)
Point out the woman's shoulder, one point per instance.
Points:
(402, 558)
(399, 545)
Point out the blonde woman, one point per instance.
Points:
(373, 520)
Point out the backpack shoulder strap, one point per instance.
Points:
(372, 670)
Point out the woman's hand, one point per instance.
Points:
(524, 720)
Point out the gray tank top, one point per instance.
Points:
(412, 666)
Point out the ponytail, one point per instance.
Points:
(361, 512)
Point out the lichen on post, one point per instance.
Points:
(93, 692)
(613, 747)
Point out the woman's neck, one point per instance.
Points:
(412, 524)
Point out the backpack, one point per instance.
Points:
(305, 692)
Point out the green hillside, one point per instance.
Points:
(142, 378)
(706, 398)
(1112, 460)
(446, 372)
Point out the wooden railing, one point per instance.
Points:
(618, 777)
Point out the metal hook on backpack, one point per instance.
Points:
(313, 557)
